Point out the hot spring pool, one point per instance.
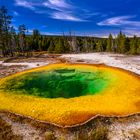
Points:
(65, 83)
(68, 94)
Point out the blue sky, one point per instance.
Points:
(81, 17)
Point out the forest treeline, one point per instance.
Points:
(14, 42)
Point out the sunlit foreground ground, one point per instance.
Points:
(68, 94)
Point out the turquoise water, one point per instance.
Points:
(65, 83)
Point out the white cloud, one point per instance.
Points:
(57, 4)
(50, 33)
(65, 16)
(30, 31)
(63, 10)
(58, 9)
(113, 21)
(120, 21)
(15, 13)
(125, 23)
(25, 4)
(131, 31)
(51, 4)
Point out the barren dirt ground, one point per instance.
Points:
(131, 63)
(17, 128)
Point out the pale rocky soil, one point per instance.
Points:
(131, 63)
(122, 131)
(25, 131)
(117, 129)
(13, 65)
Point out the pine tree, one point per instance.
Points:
(51, 47)
(13, 41)
(60, 48)
(134, 45)
(35, 39)
(36, 33)
(66, 45)
(93, 45)
(99, 47)
(40, 45)
(109, 43)
(138, 49)
(5, 21)
(121, 43)
(127, 45)
(104, 44)
(80, 44)
(22, 42)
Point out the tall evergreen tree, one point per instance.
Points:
(110, 43)
(36, 33)
(59, 47)
(134, 45)
(127, 45)
(66, 45)
(121, 43)
(22, 42)
(80, 44)
(13, 44)
(5, 21)
(138, 49)
(62, 44)
(51, 48)
(99, 47)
